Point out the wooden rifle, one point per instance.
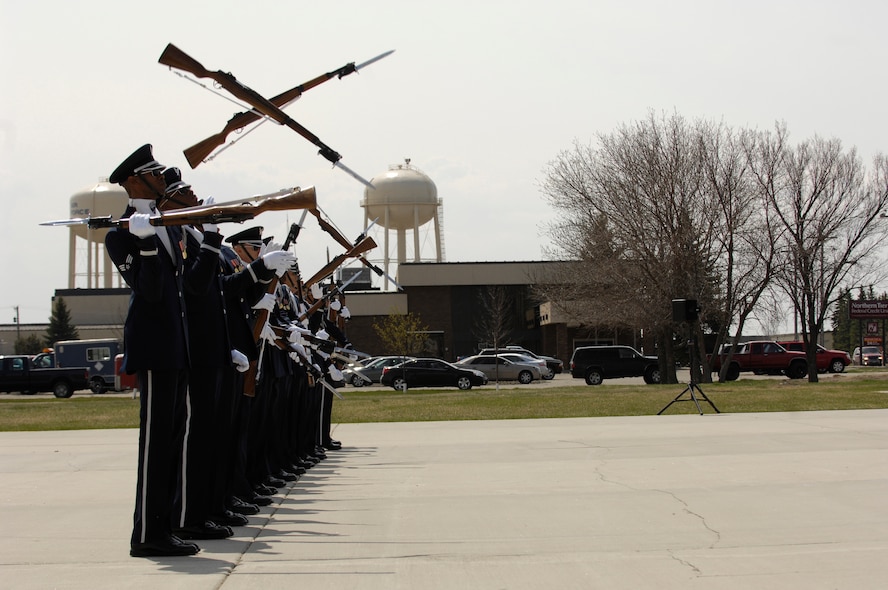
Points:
(345, 243)
(202, 150)
(230, 211)
(355, 251)
(316, 305)
(174, 57)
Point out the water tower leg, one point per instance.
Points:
(72, 257)
(386, 258)
(402, 245)
(438, 254)
(416, 257)
(109, 268)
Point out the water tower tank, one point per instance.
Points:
(97, 200)
(404, 198)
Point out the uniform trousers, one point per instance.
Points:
(162, 424)
(201, 448)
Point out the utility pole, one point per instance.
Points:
(18, 324)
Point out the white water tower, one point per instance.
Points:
(404, 199)
(97, 200)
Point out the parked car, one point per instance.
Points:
(833, 361)
(18, 373)
(517, 357)
(370, 371)
(497, 367)
(872, 356)
(555, 365)
(431, 372)
(595, 363)
(761, 357)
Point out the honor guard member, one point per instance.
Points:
(209, 352)
(232, 480)
(156, 349)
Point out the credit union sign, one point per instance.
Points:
(868, 309)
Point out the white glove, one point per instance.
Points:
(140, 225)
(279, 261)
(298, 348)
(295, 358)
(267, 247)
(344, 313)
(322, 334)
(296, 333)
(266, 303)
(240, 360)
(267, 334)
(335, 305)
(210, 227)
(335, 374)
(316, 292)
(148, 206)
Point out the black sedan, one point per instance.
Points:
(430, 372)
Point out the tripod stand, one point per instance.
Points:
(693, 389)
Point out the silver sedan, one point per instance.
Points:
(497, 367)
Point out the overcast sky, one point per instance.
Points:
(479, 95)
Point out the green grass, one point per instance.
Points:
(19, 413)
(608, 400)
(864, 391)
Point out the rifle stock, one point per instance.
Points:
(297, 198)
(202, 149)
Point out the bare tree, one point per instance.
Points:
(494, 324)
(641, 192)
(745, 239)
(828, 209)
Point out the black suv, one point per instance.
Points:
(594, 363)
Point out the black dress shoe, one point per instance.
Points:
(169, 547)
(207, 530)
(260, 500)
(304, 463)
(287, 476)
(264, 490)
(319, 453)
(332, 445)
(297, 469)
(238, 506)
(274, 482)
(231, 518)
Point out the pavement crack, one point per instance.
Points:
(685, 563)
(697, 515)
(685, 506)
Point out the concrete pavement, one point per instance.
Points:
(764, 501)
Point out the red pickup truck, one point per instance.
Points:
(762, 357)
(833, 361)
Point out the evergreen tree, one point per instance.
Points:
(60, 326)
